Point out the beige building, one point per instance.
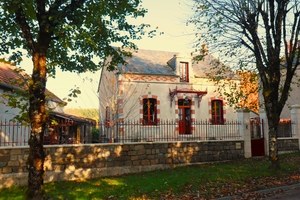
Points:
(155, 86)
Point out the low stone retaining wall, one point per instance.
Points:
(73, 162)
(288, 144)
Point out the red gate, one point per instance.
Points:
(257, 137)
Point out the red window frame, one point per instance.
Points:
(149, 111)
(184, 71)
(217, 112)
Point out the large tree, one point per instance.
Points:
(259, 32)
(67, 34)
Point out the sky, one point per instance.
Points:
(168, 16)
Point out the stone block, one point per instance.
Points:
(15, 152)
(139, 147)
(143, 156)
(136, 162)
(132, 158)
(128, 163)
(4, 152)
(3, 164)
(4, 158)
(14, 157)
(145, 162)
(6, 170)
(142, 151)
(118, 163)
(125, 148)
(148, 151)
(17, 169)
(154, 162)
(132, 153)
(13, 163)
(151, 157)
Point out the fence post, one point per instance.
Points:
(295, 119)
(244, 127)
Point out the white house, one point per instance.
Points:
(155, 86)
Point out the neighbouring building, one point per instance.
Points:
(155, 86)
(62, 128)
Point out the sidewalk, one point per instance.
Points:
(289, 192)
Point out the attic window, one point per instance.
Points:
(184, 71)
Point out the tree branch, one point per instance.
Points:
(25, 28)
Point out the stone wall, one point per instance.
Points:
(288, 144)
(73, 162)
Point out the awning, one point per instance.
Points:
(176, 91)
(72, 118)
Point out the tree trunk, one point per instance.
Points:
(273, 148)
(37, 115)
(273, 120)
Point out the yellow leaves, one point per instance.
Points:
(267, 93)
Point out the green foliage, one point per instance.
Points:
(95, 135)
(79, 31)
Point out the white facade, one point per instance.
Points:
(158, 78)
(294, 97)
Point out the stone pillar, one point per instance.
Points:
(295, 118)
(244, 127)
(264, 128)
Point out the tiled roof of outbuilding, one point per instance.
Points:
(13, 78)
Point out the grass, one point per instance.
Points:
(204, 180)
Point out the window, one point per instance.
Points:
(217, 112)
(184, 71)
(149, 112)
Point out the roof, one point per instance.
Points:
(9, 75)
(148, 62)
(12, 77)
(72, 117)
(152, 62)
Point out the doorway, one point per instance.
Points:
(257, 137)
(184, 116)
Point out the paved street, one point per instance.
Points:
(292, 193)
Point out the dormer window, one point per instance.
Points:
(184, 71)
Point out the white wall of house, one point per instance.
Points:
(56, 107)
(121, 98)
(132, 107)
(123, 94)
(294, 97)
(6, 113)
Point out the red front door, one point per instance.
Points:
(184, 116)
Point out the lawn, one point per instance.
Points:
(201, 181)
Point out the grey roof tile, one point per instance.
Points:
(148, 62)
